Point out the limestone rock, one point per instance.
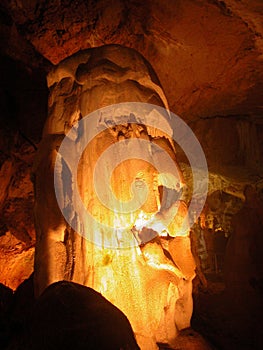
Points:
(17, 232)
(210, 49)
(137, 277)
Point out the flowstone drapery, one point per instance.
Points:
(150, 277)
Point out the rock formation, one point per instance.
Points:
(206, 53)
(208, 56)
(152, 279)
(68, 315)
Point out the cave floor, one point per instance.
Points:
(219, 322)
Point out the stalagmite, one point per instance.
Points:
(150, 277)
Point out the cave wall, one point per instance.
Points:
(207, 54)
(23, 110)
(211, 50)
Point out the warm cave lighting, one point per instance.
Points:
(118, 210)
(116, 222)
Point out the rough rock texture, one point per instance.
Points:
(211, 50)
(23, 96)
(153, 279)
(207, 54)
(17, 233)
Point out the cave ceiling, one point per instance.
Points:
(207, 53)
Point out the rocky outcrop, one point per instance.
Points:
(68, 315)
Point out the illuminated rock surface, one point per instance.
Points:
(139, 280)
(208, 55)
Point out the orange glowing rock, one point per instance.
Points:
(151, 279)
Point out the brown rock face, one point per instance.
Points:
(23, 99)
(208, 56)
(16, 224)
(152, 278)
(210, 49)
(17, 237)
